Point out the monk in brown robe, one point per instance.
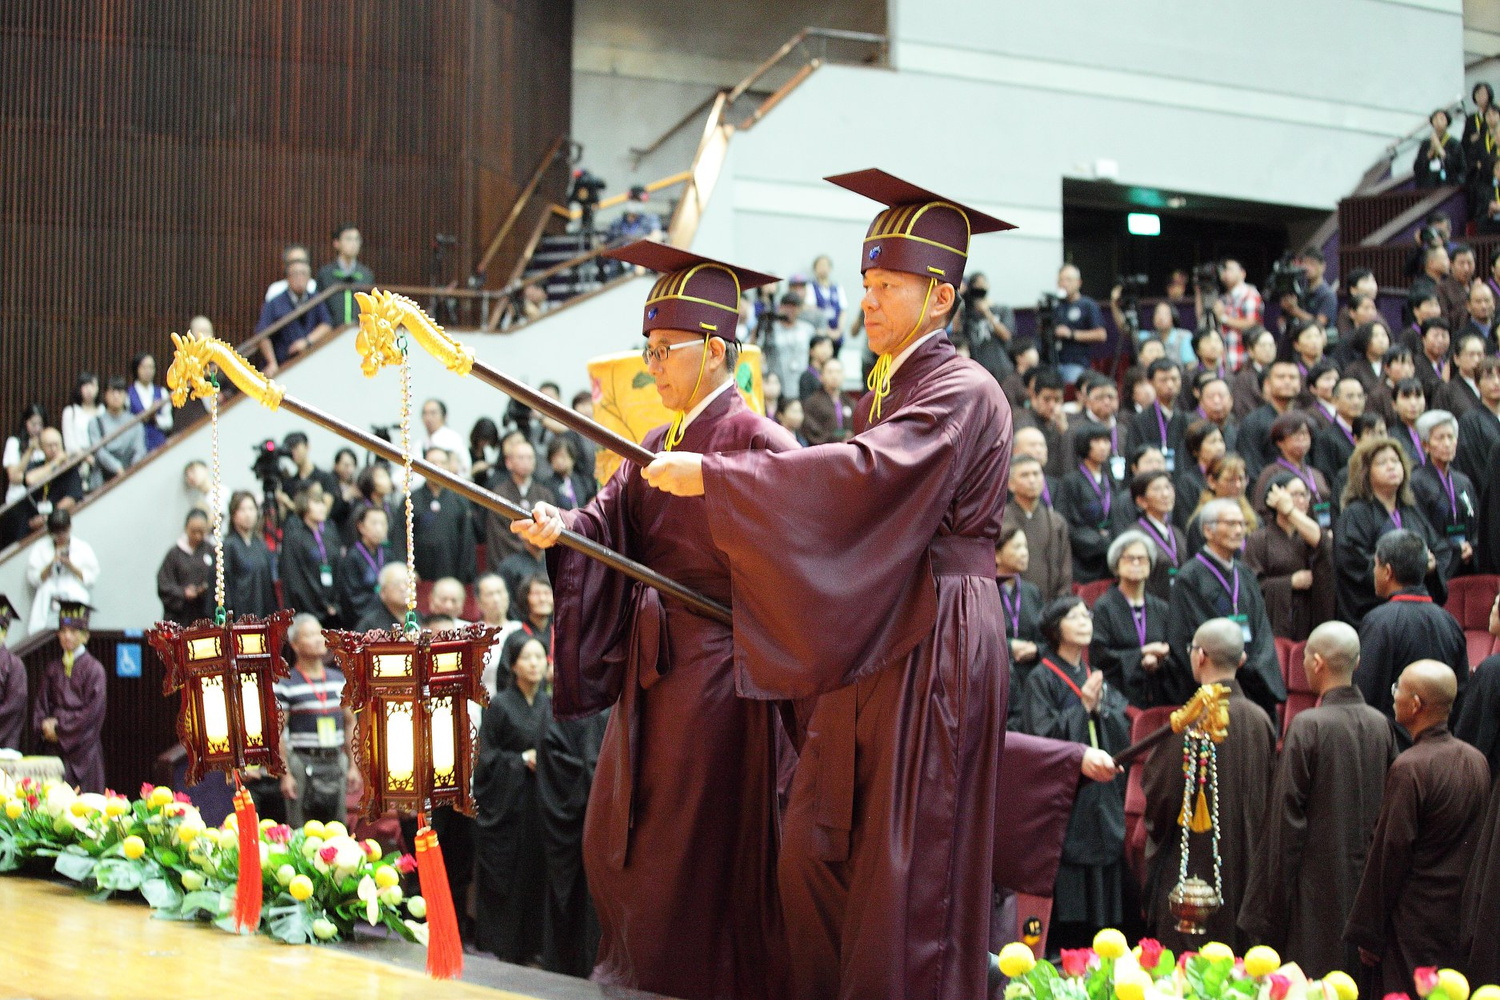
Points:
(1050, 568)
(1321, 813)
(13, 684)
(1481, 926)
(1407, 911)
(889, 537)
(1246, 762)
(69, 709)
(679, 840)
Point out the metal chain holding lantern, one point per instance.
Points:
(226, 671)
(411, 690)
(1204, 724)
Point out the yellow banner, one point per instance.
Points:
(625, 398)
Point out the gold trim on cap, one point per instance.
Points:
(671, 286)
(900, 220)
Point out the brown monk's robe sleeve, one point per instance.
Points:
(844, 529)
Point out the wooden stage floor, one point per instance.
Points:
(56, 944)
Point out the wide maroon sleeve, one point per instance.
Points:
(828, 546)
(591, 610)
(1038, 782)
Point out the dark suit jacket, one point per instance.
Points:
(820, 420)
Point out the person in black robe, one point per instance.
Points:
(1155, 499)
(1162, 424)
(185, 579)
(1447, 497)
(443, 528)
(1407, 913)
(1378, 499)
(70, 702)
(1215, 584)
(1202, 446)
(1130, 624)
(1291, 439)
(1101, 405)
(13, 684)
(1085, 500)
(358, 574)
(1320, 815)
(565, 764)
(1481, 899)
(1479, 429)
(1460, 393)
(1022, 605)
(1407, 627)
(248, 585)
(1334, 444)
(1245, 764)
(1478, 722)
(309, 554)
(509, 859)
(1065, 700)
(1292, 557)
(1489, 519)
(1282, 386)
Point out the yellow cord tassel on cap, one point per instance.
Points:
(675, 431)
(880, 376)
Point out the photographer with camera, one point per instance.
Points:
(60, 568)
(1237, 310)
(984, 327)
(1311, 298)
(1176, 342)
(1077, 324)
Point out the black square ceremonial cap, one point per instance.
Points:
(73, 613)
(696, 294)
(921, 232)
(7, 612)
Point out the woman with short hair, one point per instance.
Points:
(1292, 557)
(1130, 624)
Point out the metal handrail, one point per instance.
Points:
(739, 89)
(671, 180)
(515, 211)
(249, 345)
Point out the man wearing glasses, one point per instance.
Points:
(1215, 584)
(679, 843)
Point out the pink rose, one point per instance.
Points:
(1427, 979)
(1075, 961)
(279, 834)
(327, 854)
(146, 787)
(1279, 986)
(1150, 953)
(183, 797)
(1397, 996)
(406, 864)
(1182, 959)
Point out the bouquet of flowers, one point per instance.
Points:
(318, 881)
(1111, 970)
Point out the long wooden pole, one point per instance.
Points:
(188, 371)
(382, 313)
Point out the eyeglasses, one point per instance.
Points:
(659, 354)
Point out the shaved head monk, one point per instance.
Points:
(1405, 915)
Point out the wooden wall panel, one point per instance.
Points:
(156, 155)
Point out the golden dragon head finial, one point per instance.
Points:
(1207, 713)
(189, 371)
(381, 314)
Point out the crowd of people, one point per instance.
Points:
(1312, 471)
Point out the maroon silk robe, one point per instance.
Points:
(863, 571)
(12, 698)
(680, 837)
(77, 703)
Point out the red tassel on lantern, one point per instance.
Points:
(247, 888)
(445, 950)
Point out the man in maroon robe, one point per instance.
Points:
(680, 838)
(863, 572)
(12, 684)
(69, 710)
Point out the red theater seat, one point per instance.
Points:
(1469, 600)
(1090, 592)
(1299, 696)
